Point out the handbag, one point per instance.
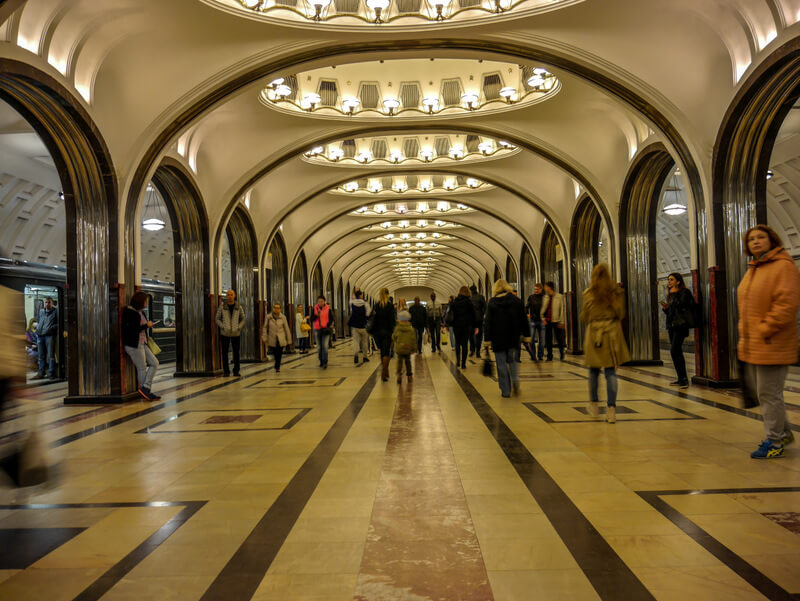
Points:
(487, 369)
(153, 346)
(305, 327)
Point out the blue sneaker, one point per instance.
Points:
(767, 450)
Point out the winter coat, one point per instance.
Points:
(384, 320)
(404, 338)
(479, 304)
(506, 323)
(276, 331)
(229, 325)
(419, 316)
(322, 317)
(298, 319)
(48, 322)
(680, 310)
(534, 306)
(435, 313)
(604, 344)
(12, 351)
(131, 327)
(768, 297)
(359, 313)
(558, 307)
(463, 314)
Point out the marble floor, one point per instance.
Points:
(329, 485)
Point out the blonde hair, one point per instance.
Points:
(601, 286)
(501, 286)
(401, 304)
(383, 297)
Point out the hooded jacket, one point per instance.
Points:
(404, 337)
(359, 312)
(506, 322)
(768, 298)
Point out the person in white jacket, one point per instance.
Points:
(554, 319)
(276, 334)
(230, 321)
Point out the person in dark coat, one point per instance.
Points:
(419, 319)
(505, 325)
(134, 340)
(534, 311)
(383, 321)
(479, 304)
(680, 310)
(464, 324)
(47, 339)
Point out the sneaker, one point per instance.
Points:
(145, 394)
(365, 360)
(675, 383)
(38, 377)
(683, 385)
(767, 450)
(153, 396)
(355, 360)
(787, 439)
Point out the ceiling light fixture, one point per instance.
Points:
(457, 152)
(431, 103)
(486, 147)
(335, 154)
(390, 104)
(319, 5)
(350, 105)
(397, 155)
(282, 91)
(351, 187)
(378, 6)
(312, 100)
(470, 99)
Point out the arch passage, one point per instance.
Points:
(584, 245)
(741, 159)
(551, 263)
(527, 267)
(637, 218)
(192, 287)
(90, 192)
(277, 274)
(244, 257)
(300, 283)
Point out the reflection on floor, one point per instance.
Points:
(330, 485)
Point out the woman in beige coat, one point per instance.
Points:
(767, 298)
(276, 334)
(604, 346)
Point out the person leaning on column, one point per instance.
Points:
(230, 321)
(768, 297)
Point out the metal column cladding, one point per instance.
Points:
(548, 257)
(245, 259)
(584, 242)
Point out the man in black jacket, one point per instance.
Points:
(419, 319)
(534, 310)
(479, 304)
(506, 325)
(47, 334)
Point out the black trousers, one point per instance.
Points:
(419, 332)
(228, 341)
(549, 329)
(676, 338)
(475, 342)
(463, 336)
(277, 353)
(436, 335)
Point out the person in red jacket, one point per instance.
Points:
(322, 329)
(768, 298)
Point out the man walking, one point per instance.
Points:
(553, 319)
(359, 314)
(47, 334)
(435, 315)
(479, 304)
(419, 318)
(230, 321)
(534, 310)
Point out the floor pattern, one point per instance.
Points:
(329, 485)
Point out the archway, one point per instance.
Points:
(511, 274)
(584, 241)
(527, 267)
(89, 187)
(552, 258)
(244, 271)
(317, 284)
(193, 299)
(300, 284)
(641, 195)
(740, 164)
(277, 282)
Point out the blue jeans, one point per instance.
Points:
(507, 370)
(537, 336)
(611, 384)
(322, 342)
(47, 355)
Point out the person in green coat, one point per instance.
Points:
(404, 339)
(604, 346)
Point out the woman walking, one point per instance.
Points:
(464, 323)
(604, 345)
(382, 327)
(134, 340)
(506, 324)
(301, 330)
(322, 326)
(768, 298)
(276, 334)
(404, 339)
(680, 310)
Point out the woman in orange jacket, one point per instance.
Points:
(768, 299)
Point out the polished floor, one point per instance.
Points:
(329, 485)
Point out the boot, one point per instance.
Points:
(594, 409)
(611, 415)
(384, 369)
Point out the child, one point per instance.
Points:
(405, 340)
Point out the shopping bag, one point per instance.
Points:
(487, 369)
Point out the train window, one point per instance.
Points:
(170, 316)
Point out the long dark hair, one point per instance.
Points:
(681, 285)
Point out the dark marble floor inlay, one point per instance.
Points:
(231, 419)
(788, 519)
(22, 547)
(421, 542)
